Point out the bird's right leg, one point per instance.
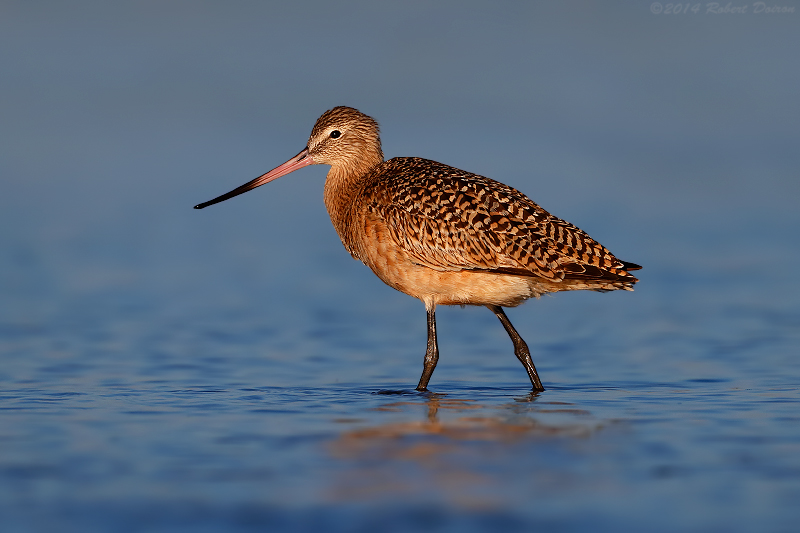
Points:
(432, 353)
(520, 347)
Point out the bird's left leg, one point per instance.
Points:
(432, 353)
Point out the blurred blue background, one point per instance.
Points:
(670, 138)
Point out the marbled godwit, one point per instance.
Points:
(442, 235)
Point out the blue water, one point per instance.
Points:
(233, 369)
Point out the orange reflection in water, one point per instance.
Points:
(461, 451)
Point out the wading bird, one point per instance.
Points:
(443, 235)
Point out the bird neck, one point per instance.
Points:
(342, 186)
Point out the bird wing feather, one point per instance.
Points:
(448, 219)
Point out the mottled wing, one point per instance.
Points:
(448, 219)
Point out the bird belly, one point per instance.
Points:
(397, 269)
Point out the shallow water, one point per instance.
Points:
(233, 369)
(144, 424)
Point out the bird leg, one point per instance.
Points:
(432, 353)
(520, 348)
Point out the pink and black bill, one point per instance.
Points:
(299, 161)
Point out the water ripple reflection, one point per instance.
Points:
(457, 446)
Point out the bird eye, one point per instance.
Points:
(335, 134)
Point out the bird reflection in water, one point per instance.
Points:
(461, 450)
